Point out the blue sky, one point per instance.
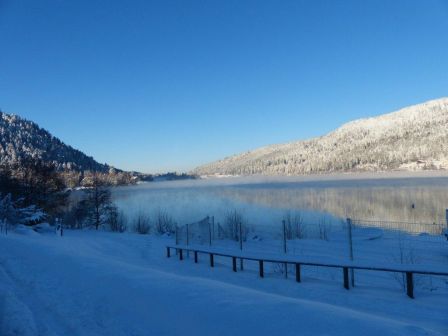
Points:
(168, 85)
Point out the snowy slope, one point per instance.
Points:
(412, 138)
(21, 139)
(90, 283)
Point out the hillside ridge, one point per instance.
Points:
(411, 138)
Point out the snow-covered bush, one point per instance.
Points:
(14, 213)
(8, 211)
(31, 215)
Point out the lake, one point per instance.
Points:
(407, 198)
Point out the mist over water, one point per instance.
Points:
(264, 201)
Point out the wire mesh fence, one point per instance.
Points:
(367, 241)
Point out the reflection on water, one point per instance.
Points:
(415, 200)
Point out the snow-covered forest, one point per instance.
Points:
(23, 141)
(413, 138)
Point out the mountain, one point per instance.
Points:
(21, 139)
(413, 138)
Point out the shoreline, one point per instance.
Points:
(206, 181)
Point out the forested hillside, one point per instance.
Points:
(23, 139)
(413, 138)
(23, 142)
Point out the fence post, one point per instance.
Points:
(168, 250)
(177, 235)
(345, 272)
(284, 246)
(234, 264)
(188, 252)
(181, 256)
(213, 227)
(409, 285)
(196, 257)
(241, 236)
(284, 236)
(209, 232)
(212, 261)
(241, 245)
(350, 244)
(261, 268)
(446, 218)
(298, 272)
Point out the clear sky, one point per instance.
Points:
(168, 85)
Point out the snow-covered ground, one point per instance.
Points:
(99, 283)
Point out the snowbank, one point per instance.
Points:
(15, 317)
(90, 283)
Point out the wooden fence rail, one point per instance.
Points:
(409, 272)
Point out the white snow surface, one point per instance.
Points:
(99, 283)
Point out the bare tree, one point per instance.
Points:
(98, 199)
(235, 225)
(163, 222)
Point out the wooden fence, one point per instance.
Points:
(345, 267)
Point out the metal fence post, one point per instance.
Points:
(284, 236)
(209, 232)
(350, 242)
(188, 252)
(446, 218)
(284, 246)
(187, 233)
(241, 236)
(241, 245)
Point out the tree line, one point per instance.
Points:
(33, 191)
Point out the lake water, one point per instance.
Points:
(264, 201)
